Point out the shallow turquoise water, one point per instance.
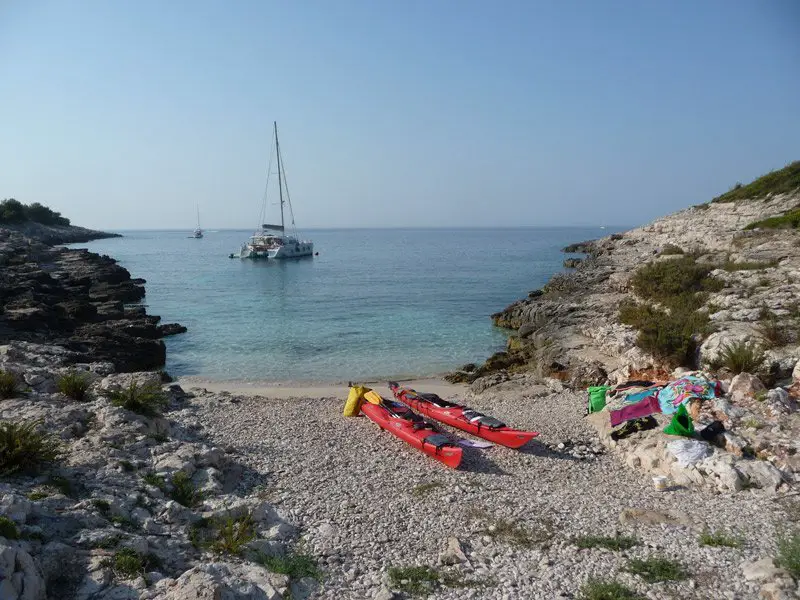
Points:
(373, 304)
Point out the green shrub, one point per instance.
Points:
(8, 385)
(740, 357)
(780, 181)
(774, 333)
(293, 565)
(416, 581)
(14, 211)
(129, 564)
(597, 589)
(788, 220)
(618, 542)
(657, 569)
(183, 490)
(670, 335)
(719, 538)
(147, 400)
(73, 384)
(150, 478)
(789, 553)
(665, 279)
(232, 534)
(8, 529)
(24, 448)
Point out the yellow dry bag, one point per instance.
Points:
(354, 401)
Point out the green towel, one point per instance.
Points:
(681, 423)
(597, 397)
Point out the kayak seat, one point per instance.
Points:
(438, 440)
(473, 416)
(434, 399)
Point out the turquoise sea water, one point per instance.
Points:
(374, 303)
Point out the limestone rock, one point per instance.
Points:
(745, 385)
(20, 578)
(215, 581)
(761, 570)
(454, 553)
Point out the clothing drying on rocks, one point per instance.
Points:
(689, 387)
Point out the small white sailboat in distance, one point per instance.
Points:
(272, 241)
(198, 233)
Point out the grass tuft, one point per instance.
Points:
(225, 536)
(719, 539)
(417, 581)
(183, 490)
(8, 529)
(657, 569)
(25, 448)
(8, 385)
(129, 564)
(150, 478)
(598, 589)
(295, 566)
(74, 384)
(789, 553)
(148, 400)
(618, 542)
(740, 357)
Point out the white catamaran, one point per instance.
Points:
(272, 241)
(198, 233)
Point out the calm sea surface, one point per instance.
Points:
(374, 303)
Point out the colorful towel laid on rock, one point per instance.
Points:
(643, 408)
(625, 394)
(688, 387)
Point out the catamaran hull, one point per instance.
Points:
(292, 251)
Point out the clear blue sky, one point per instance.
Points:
(128, 114)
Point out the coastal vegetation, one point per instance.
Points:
(780, 181)
(26, 448)
(147, 400)
(292, 564)
(741, 356)
(183, 490)
(616, 542)
(788, 220)
(73, 384)
(597, 589)
(719, 539)
(789, 553)
(14, 212)
(8, 385)
(656, 569)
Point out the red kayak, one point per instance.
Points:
(401, 421)
(462, 417)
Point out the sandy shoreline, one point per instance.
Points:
(315, 390)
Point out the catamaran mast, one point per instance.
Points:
(280, 178)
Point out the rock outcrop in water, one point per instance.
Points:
(76, 299)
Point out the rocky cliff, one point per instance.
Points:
(76, 299)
